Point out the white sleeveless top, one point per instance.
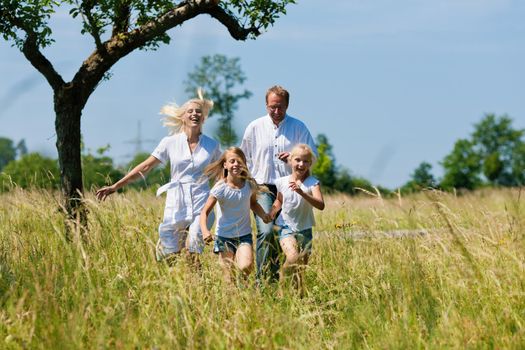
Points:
(296, 212)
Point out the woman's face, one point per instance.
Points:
(193, 116)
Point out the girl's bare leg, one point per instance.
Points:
(299, 275)
(226, 260)
(291, 252)
(244, 259)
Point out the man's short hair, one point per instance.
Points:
(279, 91)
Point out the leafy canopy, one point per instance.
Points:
(30, 171)
(7, 151)
(219, 75)
(462, 167)
(105, 18)
(498, 145)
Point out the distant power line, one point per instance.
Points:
(138, 141)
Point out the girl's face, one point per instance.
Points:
(233, 164)
(301, 163)
(193, 116)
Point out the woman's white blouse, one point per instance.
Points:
(188, 189)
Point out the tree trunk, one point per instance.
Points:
(68, 109)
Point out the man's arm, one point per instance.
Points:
(309, 140)
(246, 146)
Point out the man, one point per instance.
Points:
(266, 143)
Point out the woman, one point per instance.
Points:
(188, 151)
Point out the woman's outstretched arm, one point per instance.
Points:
(139, 171)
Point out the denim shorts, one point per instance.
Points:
(304, 238)
(225, 244)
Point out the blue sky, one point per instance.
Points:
(391, 83)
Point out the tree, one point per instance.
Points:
(495, 141)
(518, 164)
(345, 182)
(21, 148)
(117, 28)
(333, 177)
(421, 178)
(31, 170)
(99, 170)
(462, 167)
(324, 168)
(7, 151)
(218, 75)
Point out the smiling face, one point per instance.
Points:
(193, 117)
(301, 161)
(276, 106)
(234, 165)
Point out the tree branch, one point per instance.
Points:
(32, 52)
(41, 63)
(100, 61)
(236, 30)
(87, 6)
(121, 22)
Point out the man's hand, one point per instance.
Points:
(283, 156)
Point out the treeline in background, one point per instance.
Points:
(492, 156)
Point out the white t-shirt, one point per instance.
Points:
(233, 212)
(188, 189)
(263, 141)
(296, 212)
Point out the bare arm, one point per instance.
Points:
(315, 199)
(208, 207)
(139, 171)
(257, 209)
(277, 205)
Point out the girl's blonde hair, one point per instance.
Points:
(173, 113)
(303, 148)
(216, 171)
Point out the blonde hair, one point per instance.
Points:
(216, 172)
(173, 113)
(303, 148)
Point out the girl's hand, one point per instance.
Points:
(267, 218)
(296, 187)
(207, 236)
(104, 192)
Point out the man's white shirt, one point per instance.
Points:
(263, 141)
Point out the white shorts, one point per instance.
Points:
(173, 237)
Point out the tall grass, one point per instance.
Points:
(462, 284)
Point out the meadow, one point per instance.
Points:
(453, 277)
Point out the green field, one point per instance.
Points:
(460, 285)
